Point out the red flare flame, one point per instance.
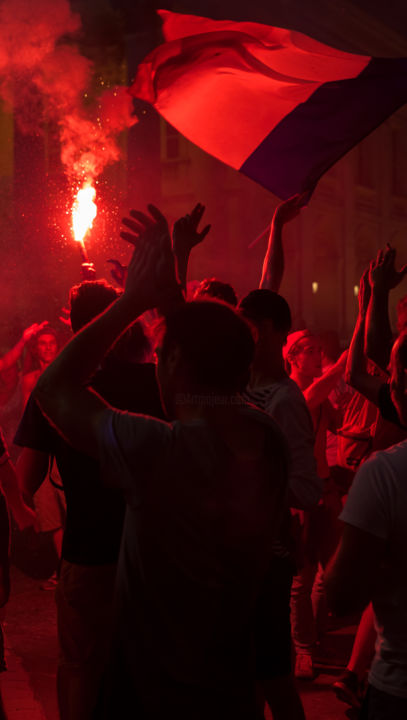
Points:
(84, 211)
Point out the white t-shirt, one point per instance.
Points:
(196, 547)
(285, 404)
(377, 503)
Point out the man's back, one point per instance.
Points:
(204, 503)
(95, 514)
(285, 403)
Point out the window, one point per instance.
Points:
(174, 147)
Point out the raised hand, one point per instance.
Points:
(273, 263)
(148, 228)
(184, 237)
(151, 276)
(185, 234)
(289, 209)
(118, 272)
(383, 274)
(364, 292)
(32, 330)
(65, 317)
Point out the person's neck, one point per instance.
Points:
(266, 371)
(186, 412)
(203, 405)
(43, 366)
(303, 381)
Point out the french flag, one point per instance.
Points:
(274, 104)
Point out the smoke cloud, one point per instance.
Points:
(44, 76)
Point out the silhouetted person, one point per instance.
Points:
(48, 498)
(320, 532)
(5, 467)
(11, 392)
(95, 514)
(273, 391)
(44, 351)
(204, 494)
(371, 562)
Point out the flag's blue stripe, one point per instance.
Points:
(308, 141)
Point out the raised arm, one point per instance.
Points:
(273, 264)
(118, 272)
(383, 277)
(13, 355)
(356, 368)
(23, 515)
(61, 391)
(316, 393)
(185, 236)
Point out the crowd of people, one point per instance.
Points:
(216, 484)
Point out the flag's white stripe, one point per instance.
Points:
(237, 81)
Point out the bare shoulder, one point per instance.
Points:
(28, 383)
(30, 379)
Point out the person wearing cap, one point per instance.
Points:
(320, 528)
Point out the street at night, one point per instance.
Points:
(29, 684)
(203, 360)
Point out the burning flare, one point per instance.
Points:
(83, 212)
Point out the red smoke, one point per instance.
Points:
(43, 75)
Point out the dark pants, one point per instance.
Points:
(379, 705)
(273, 628)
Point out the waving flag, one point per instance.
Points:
(274, 104)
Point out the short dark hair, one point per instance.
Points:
(216, 289)
(264, 304)
(47, 330)
(88, 300)
(216, 344)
